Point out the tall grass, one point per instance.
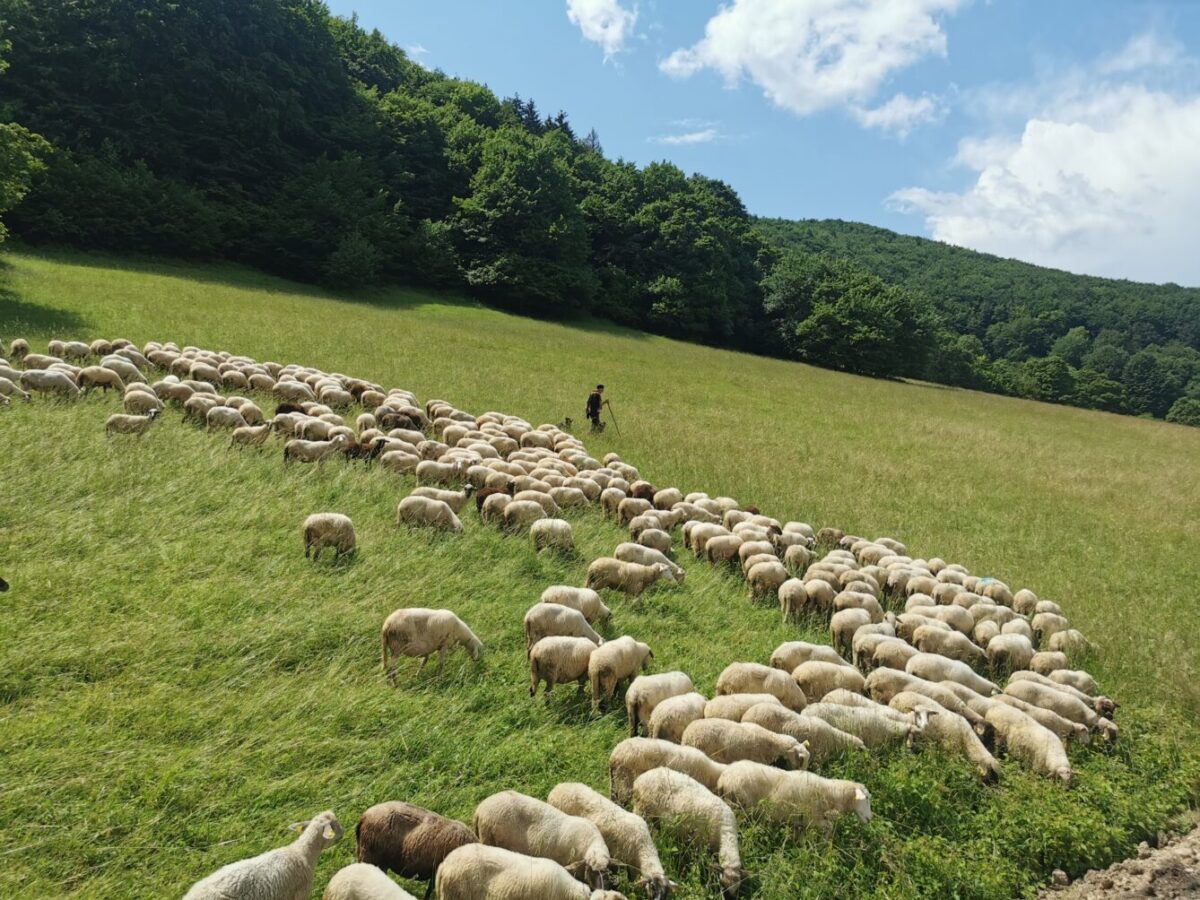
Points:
(177, 682)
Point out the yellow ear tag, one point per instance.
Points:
(329, 833)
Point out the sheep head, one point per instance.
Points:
(862, 803)
(326, 823)
(731, 879)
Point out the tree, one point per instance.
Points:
(1073, 345)
(1095, 390)
(1049, 379)
(1185, 411)
(22, 157)
(1107, 358)
(1149, 384)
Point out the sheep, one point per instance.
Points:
(50, 382)
(251, 435)
(40, 361)
(951, 644)
(766, 578)
(98, 376)
(1055, 699)
(520, 514)
(334, 530)
(1045, 625)
(1064, 728)
(456, 500)
(797, 557)
(492, 510)
(1048, 661)
(545, 501)
(630, 507)
(310, 451)
(557, 660)
(423, 512)
(753, 678)
(632, 578)
(647, 691)
(417, 631)
(141, 402)
(19, 349)
(817, 678)
(790, 654)
(1071, 642)
(936, 668)
(626, 834)
(883, 684)
(9, 388)
(676, 801)
(636, 755)
(1009, 653)
(614, 662)
(798, 800)
(728, 742)
(648, 556)
(476, 872)
(119, 423)
(1078, 679)
(359, 881)
(821, 739)
(285, 873)
(842, 626)
(656, 539)
(610, 500)
(585, 600)
(408, 840)
(524, 824)
(674, 714)
(555, 534)
(949, 731)
(793, 599)
(1034, 745)
(820, 594)
(433, 472)
(875, 725)
(224, 417)
(546, 619)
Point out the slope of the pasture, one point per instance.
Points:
(176, 683)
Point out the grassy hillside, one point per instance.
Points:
(177, 683)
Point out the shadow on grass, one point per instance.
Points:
(17, 315)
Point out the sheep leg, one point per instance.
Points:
(429, 888)
(441, 659)
(424, 659)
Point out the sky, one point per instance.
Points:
(1060, 132)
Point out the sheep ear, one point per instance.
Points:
(329, 834)
(860, 794)
(297, 826)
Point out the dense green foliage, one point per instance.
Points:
(21, 154)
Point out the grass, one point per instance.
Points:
(177, 683)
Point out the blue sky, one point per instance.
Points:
(1062, 132)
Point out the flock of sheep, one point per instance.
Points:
(917, 646)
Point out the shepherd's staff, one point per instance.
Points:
(608, 403)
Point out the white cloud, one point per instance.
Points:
(901, 114)
(417, 53)
(809, 55)
(1144, 51)
(603, 22)
(1106, 182)
(704, 136)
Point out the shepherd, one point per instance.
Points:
(595, 401)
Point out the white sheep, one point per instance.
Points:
(614, 662)
(334, 530)
(632, 578)
(647, 556)
(456, 500)
(9, 388)
(422, 512)
(678, 802)
(754, 678)
(798, 800)
(555, 534)
(524, 824)
(119, 423)
(951, 644)
(285, 873)
(224, 417)
(821, 739)
(547, 619)
(557, 660)
(305, 451)
(1028, 742)
(728, 742)
(98, 376)
(626, 834)
(949, 731)
(417, 631)
(818, 678)
(790, 654)
(251, 435)
(363, 881)
(876, 726)
(478, 872)
(49, 382)
(585, 600)
(1009, 652)
(674, 714)
(765, 578)
(647, 691)
(636, 755)
(935, 668)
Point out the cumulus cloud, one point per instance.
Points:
(1104, 181)
(603, 22)
(704, 136)
(809, 55)
(1144, 51)
(900, 115)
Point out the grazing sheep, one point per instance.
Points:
(765, 578)
(359, 881)
(224, 417)
(1078, 679)
(585, 600)
(285, 873)
(309, 451)
(555, 534)
(119, 423)
(50, 381)
(817, 678)
(793, 599)
(935, 668)
(547, 619)
(798, 800)
(476, 872)
(648, 556)
(787, 656)
(9, 388)
(647, 691)
(873, 725)
(883, 684)
(682, 804)
(821, 739)
(1048, 661)
(557, 660)
(1071, 642)
(632, 578)
(842, 626)
(1058, 700)
(656, 539)
(614, 662)
(456, 500)
(636, 755)
(524, 824)
(423, 512)
(951, 644)
(674, 714)
(408, 840)
(141, 402)
(417, 631)
(1034, 745)
(520, 514)
(98, 376)
(949, 731)
(19, 349)
(754, 678)
(251, 435)
(626, 834)
(334, 530)
(728, 742)
(1046, 624)
(433, 472)
(1064, 728)
(630, 507)
(1009, 653)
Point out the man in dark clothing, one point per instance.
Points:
(595, 401)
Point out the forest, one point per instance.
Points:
(274, 134)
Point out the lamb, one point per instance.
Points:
(555, 534)
(674, 714)
(871, 725)
(647, 556)
(476, 872)
(636, 755)
(681, 803)
(525, 824)
(1028, 742)
(933, 667)
(950, 644)
(1009, 653)
(334, 530)
(284, 873)
(119, 423)
(547, 619)
(632, 578)
(950, 732)
(765, 578)
(817, 678)
(821, 739)
(647, 691)
(50, 381)
(788, 655)
(728, 742)
(753, 678)
(417, 631)
(797, 799)
(456, 500)
(408, 840)
(626, 834)
(557, 660)
(98, 376)
(359, 881)
(309, 451)
(614, 662)
(585, 600)
(423, 512)
(252, 435)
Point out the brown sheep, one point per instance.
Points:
(408, 840)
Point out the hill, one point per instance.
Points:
(177, 682)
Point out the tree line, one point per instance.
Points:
(272, 133)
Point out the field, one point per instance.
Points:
(177, 683)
